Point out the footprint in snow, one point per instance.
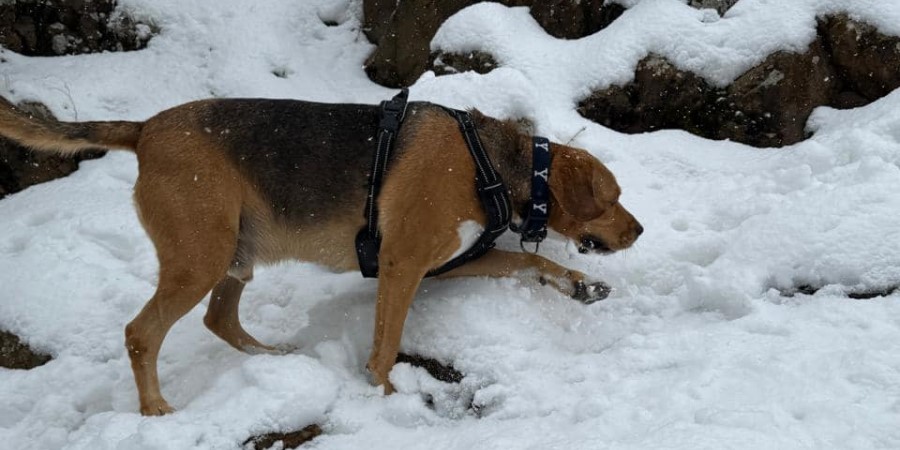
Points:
(119, 246)
(15, 244)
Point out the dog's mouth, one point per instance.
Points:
(592, 244)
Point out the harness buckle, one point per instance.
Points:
(465, 120)
(392, 111)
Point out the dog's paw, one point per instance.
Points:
(590, 293)
(158, 408)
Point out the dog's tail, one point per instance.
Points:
(65, 137)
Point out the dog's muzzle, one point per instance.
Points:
(591, 244)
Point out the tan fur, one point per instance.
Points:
(65, 138)
(191, 199)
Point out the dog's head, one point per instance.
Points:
(586, 205)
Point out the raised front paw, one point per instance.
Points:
(592, 292)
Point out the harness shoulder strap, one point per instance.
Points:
(368, 240)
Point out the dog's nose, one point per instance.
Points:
(639, 230)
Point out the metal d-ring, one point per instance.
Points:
(537, 246)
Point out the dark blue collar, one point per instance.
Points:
(537, 211)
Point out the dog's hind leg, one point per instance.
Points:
(222, 316)
(194, 228)
(498, 263)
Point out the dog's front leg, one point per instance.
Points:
(398, 280)
(499, 263)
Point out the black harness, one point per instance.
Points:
(490, 188)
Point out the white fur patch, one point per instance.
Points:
(469, 232)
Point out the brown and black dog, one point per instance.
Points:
(226, 184)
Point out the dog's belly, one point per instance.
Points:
(329, 243)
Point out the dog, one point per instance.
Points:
(225, 184)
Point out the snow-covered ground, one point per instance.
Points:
(698, 347)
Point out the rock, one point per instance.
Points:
(376, 17)
(404, 46)
(573, 19)
(868, 62)
(436, 369)
(669, 97)
(16, 355)
(447, 63)
(21, 167)
(661, 96)
(856, 294)
(770, 103)
(766, 107)
(403, 30)
(719, 5)
(292, 439)
(64, 27)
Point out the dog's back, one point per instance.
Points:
(308, 160)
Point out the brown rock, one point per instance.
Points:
(668, 97)
(15, 354)
(447, 63)
(443, 372)
(772, 101)
(573, 19)
(376, 17)
(614, 107)
(403, 30)
(661, 96)
(292, 439)
(404, 47)
(868, 61)
(767, 106)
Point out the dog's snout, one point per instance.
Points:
(638, 230)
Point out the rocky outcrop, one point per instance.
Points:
(20, 167)
(767, 106)
(403, 30)
(14, 354)
(64, 27)
(850, 64)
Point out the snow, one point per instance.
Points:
(698, 346)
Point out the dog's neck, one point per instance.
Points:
(510, 152)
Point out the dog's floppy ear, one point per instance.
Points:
(572, 183)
